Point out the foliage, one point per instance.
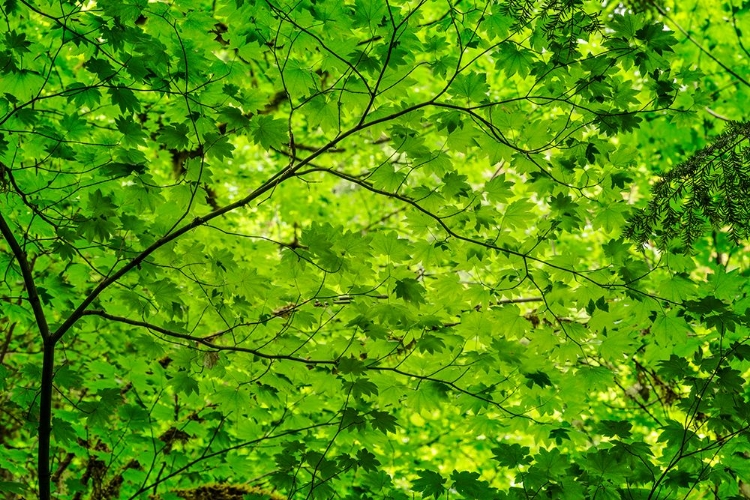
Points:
(367, 249)
(716, 184)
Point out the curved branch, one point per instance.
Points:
(203, 341)
(28, 278)
(278, 357)
(268, 185)
(700, 47)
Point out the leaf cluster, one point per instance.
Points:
(710, 189)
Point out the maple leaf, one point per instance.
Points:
(656, 37)
(410, 290)
(351, 365)
(175, 136)
(513, 59)
(367, 460)
(269, 132)
(430, 484)
(124, 98)
(517, 214)
(471, 86)
(511, 455)
(361, 387)
(469, 485)
(184, 383)
(218, 147)
(315, 229)
(17, 42)
(383, 421)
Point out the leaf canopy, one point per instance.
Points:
(367, 249)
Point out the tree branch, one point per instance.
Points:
(28, 279)
(203, 341)
(268, 185)
(48, 362)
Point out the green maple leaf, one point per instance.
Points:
(431, 344)
(122, 169)
(82, 95)
(676, 436)
(560, 435)
(618, 121)
(498, 189)
(469, 485)
(218, 146)
(627, 24)
(511, 455)
(63, 431)
(100, 411)
(102, 68)
(514, 59)
(731, 380)
(675, 368)
(616, 344)
(351, 365)
(97, 228)
(677, 288)
(323, 111)
(269, 132)
(726, 285)
(612, 428)
(410, 290)
(623, 94)
(497, 24)
(517, 214)
(166, 293)
(124, 98)
(463, 138)
(442, 65)
(670, 329)
(471, 86)
(367, 460)
(538, 378)
(437, 162)
(389, 244)
(298, 78)
(248, 283)
(552, 462)
(656, 37)
(66, 377)
(184, 383)
(132, 133)
(237, 400)
(387, 178)
(361, 387)
(16, 42)
(126, 10)
(21, 85)
(382, 421)
(369, 13)
(605, 464)
(234, 117)
(175, 136)
(430, 484)
(351, 418)
(455, 185)
(611, 217)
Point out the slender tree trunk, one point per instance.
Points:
(48, 361)
(45, 420)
